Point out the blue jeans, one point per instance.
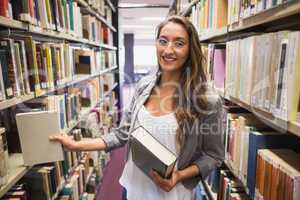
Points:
(124, 194)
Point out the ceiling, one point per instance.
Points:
(135, 18)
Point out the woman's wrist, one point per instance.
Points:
(179, 176)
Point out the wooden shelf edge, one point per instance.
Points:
(16, 172)
(212, 34)
(82, 3)
(274, 122)
(15, 100)
(108, 70)
(11, 23)
(109, 47)
(111, 5)
(267, 16)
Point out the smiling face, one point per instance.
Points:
(172, 47)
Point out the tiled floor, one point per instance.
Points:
(110, 188)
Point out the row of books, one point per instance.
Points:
(28, 65)
(263, 71)
(90, 92)
(277, 175)
(230, 188)
(244, 136)
(101, 7)
(108, 113)
(59, 15)
(239, 9)
(95, 30)
(51, 181)
(216, 64)
(210, 15)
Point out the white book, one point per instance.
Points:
(34, 130)
(148, 153)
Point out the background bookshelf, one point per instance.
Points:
(246, 21)
(93, 47)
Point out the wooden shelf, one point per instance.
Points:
(108, 70)
(16, 171)
(76, 79)
(14, 101)
(269, 119)
(211, 34)
(11, 23)
(66, 36)
(89, 10)
(108, 47)
(111, 5)
(267, 16)
(82, 3)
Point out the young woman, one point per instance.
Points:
(178, 108)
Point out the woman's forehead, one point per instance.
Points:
(173, 30)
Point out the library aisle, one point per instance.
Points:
(65, 69)
(114, 168)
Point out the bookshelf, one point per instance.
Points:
(17, 171)
(246, 21)
(76, 79)
(88, 9)
(274, 122)
(16, 100)
(107, 32)
(213, 34)
(111, 5)
(10, 23)
(267, 16)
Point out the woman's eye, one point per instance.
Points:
(179, 44)
(162, 42)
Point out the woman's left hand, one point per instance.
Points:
(165, 184)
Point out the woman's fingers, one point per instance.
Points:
(54, 138)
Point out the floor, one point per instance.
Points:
(110, 189)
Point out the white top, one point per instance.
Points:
(140, 186)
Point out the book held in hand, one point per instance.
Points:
(148, 153)
(34, 130)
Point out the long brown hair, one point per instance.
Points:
(191, 98)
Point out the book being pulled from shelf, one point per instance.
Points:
(278, 174)
(34, 131)
(262, 71)
(149, 154)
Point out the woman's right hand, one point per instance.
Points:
(65, 140)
